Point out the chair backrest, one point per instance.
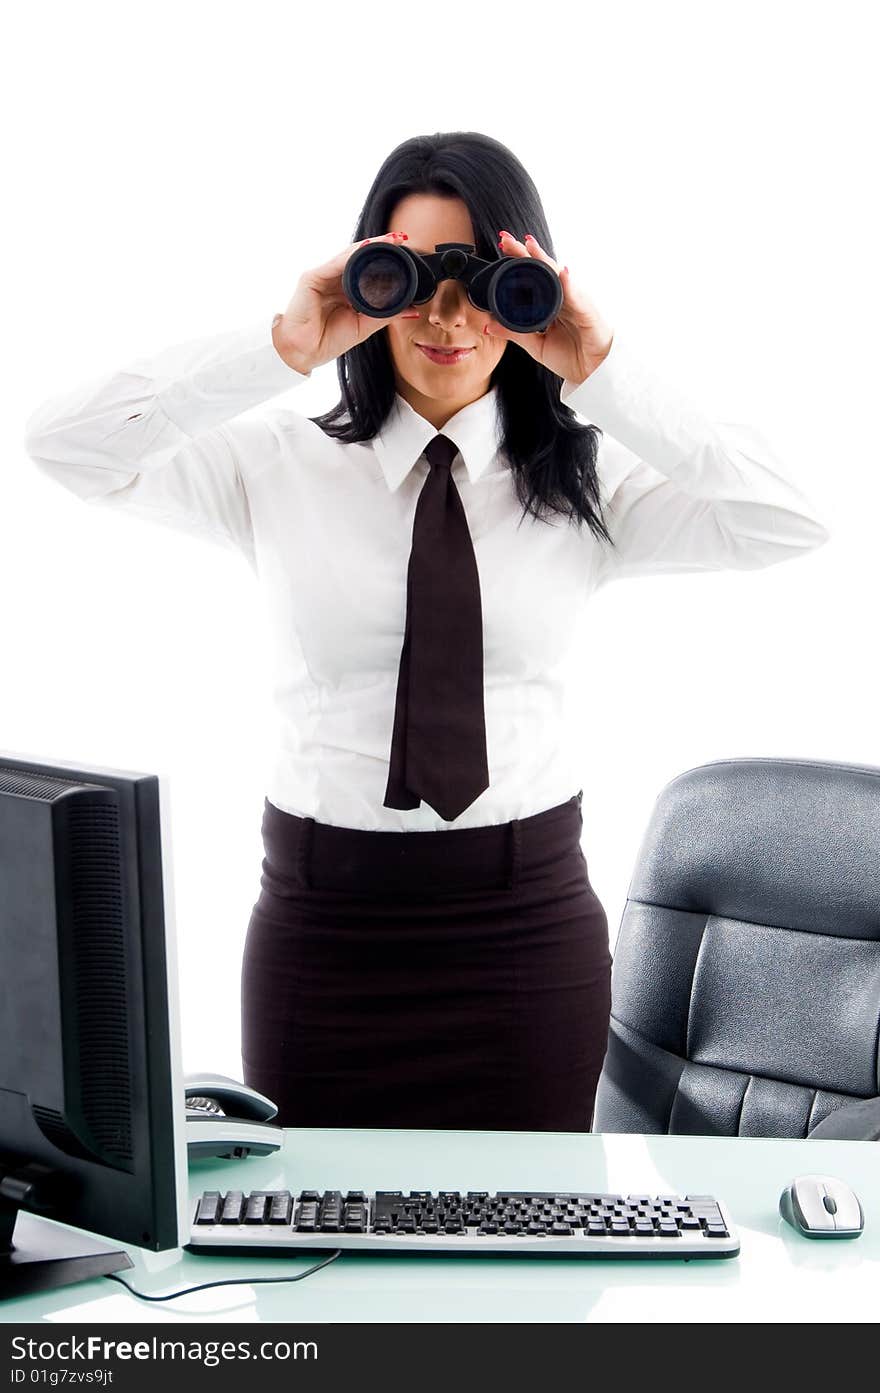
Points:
(746, 975)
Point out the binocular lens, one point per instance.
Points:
(523, 298)
(382, 283)
(524, 294)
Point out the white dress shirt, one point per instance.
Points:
(327, 529)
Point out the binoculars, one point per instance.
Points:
(522, 293)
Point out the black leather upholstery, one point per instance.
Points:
(746, 976)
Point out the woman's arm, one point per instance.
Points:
(159, 437)
(683, 492)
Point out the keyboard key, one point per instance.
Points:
(232, 1207)
(280, 1207)
(209, 1207)
(255, 1208)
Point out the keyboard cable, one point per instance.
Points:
(229, 1282)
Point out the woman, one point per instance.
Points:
(462, 978)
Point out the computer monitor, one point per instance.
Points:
(91, 1089)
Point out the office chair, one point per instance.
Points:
(746, 975)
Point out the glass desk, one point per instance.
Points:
(779, 1275)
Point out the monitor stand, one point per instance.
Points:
(37, 1254)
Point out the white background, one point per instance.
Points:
(709, 176)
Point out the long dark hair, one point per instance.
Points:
(553, 456)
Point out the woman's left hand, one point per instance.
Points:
(577, 341)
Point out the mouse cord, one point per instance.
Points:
(230, 1282)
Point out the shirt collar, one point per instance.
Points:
(403, 437)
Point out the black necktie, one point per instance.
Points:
(438, 749)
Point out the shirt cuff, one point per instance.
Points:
(626, 398)
(226, 375)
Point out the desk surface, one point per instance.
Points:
(779, 1276)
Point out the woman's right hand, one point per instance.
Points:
(320, 324)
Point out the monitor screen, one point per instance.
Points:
(91, 1090)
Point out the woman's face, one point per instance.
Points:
(437, 390)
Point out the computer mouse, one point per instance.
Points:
(225, 1118)
(820, 1206)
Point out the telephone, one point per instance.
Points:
(226, 1118)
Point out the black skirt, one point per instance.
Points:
(450, 979)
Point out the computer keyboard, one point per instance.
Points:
(504, 1223)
